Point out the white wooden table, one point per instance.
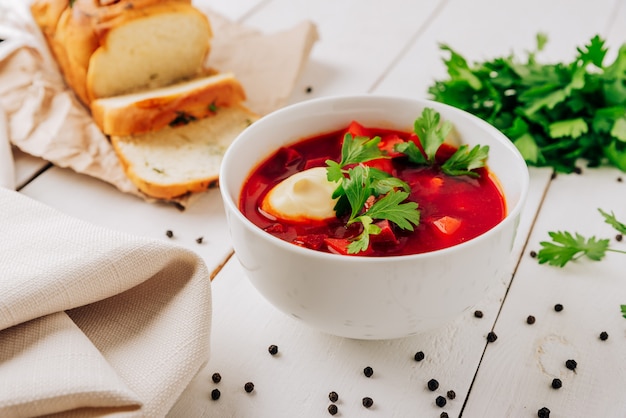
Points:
(391, 47)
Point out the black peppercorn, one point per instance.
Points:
(199, 240)
(248, 387)
(169, 233)
(571, 364)
(309, 89)
(419, 356)
(478, 314)
(543, 413)
(444, 415)
(491, 337)
(619, 237)
(332, 409)
(556, 383)
(619, 180)
(433, 384)
(368, 371)
(578, 170)
(530, 320)
(451, 394)
(367, 402)
(441, 401)
(215, 394)
(273, 349)
(333, 396)
(216, 377)
(533, 253)
(558, 307)
(604, 336)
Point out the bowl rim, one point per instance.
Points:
(233, 207)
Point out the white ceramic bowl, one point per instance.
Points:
(356, 296)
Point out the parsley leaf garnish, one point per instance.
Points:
(464, 160)
(359, 184)
(555, 114)
(368, 194)
(566, 247)
(359, 149)
(432, 134)
(390, 207)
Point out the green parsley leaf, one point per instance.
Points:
(390, 207)
(463, 161)
(334, 172)
(611, 220)
(358, 188)
(359, 149)
(566, 247)
(362, 241)
(383, 182)
(431, 133)
(412, 151)
(568, 128)
(623, 308)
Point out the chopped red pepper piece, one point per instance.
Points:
(340, 246)
(356, 129)
(447, 224)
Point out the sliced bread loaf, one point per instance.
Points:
(106, 49)
(151, 110)
(175, 161)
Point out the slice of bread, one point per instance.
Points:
(151, 110)
(175, 161)
(110, 48)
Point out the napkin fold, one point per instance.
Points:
(95, 322)
(45, 118)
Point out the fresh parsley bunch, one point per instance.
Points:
(556, 113)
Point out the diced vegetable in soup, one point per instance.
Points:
(375, 192)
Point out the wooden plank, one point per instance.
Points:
(235, 10)
(485, 29)
(358, 39)
(26, 167)
(517, 370)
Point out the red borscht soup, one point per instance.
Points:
(452, 208)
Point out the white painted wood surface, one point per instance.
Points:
(391, 47)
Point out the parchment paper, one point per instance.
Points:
(45, 118)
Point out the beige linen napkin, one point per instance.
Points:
(94, 322)
(46, 119)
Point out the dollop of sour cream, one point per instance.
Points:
(304, 196)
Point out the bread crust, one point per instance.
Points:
(75, 34)
(141, 113)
